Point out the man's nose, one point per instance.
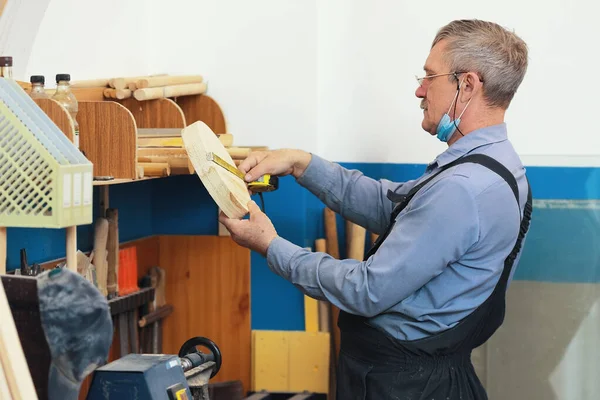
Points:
(420, 92)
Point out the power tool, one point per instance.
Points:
(157, 376)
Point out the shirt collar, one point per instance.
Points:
(477, 138)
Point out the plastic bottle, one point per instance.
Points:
(6, 66)
(64, 96)
(37, 87)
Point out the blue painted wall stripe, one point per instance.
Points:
(562, 245)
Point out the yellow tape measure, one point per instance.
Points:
(265, 183)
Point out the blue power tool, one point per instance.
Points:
(157, 376)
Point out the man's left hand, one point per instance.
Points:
(255, 233)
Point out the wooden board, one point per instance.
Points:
(203, 108)
(107, 137)
(59, 115)
(158, 113)
(290, 361)
(208, 284)
(227, 190)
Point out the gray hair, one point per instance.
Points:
(497, 55)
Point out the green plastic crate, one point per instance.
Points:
(45, 181)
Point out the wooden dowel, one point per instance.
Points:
(169, 91)
(90, 83)
(355, 241)
(123, 82)
(123, 93)
(185, 89)
(239, 152)
(168, 81)
(226, 139)
(72, 248)
(2, 250)
(110, 93)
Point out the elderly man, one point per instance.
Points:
(433, 286)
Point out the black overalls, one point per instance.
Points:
(373, 365)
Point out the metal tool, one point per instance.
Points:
(265, 183)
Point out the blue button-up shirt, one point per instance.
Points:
(444, 255)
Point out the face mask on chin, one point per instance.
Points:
(446, 127)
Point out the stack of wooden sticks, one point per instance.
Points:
(147, 87)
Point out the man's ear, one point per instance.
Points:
(471, 85)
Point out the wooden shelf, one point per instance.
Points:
(121, 181)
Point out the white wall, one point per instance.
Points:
(91, 39)
(370, 52)
(337, 76)
(259, 58)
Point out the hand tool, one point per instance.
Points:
(265, 183)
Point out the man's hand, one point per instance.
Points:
(255, 233)
(275, 162)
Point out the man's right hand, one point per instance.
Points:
(275, 162)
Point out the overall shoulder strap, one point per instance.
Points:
(482, 159)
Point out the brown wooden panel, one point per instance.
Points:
(203, 108)
(158, 113)
(59, 115)
(107, 137)
(208, 283)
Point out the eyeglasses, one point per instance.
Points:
(421, 80)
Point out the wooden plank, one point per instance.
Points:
(12, 358)
(107, 129)
(208, 285)
(59, 115)
(227, 190)
(290, 361)
(309, 362)
(271, 360)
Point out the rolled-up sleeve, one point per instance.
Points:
(350, 193)
(438, 226)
